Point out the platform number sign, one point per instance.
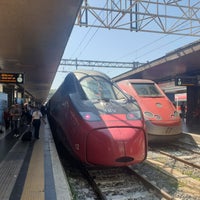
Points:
(186, 81)
(16, 78)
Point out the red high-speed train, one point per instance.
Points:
(163, 123)
(97, 122)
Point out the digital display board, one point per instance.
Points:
(16, 78)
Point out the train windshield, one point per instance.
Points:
(96, 87)
(146, 89)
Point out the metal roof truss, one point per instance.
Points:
(180, 17)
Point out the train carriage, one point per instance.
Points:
(97, 122)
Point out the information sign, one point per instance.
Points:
(16, 78)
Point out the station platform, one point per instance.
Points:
(31, 170)
(191, 127)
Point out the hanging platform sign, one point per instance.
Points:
(186, 81)
(16, 78)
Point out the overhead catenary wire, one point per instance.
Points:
(84, 38)
(132, 53)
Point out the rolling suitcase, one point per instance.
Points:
(27, 136)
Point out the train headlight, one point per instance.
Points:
(89, 116)
(148, 115)
(134, 115)
(157, 117)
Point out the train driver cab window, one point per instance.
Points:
(146, 89)
(97, 88)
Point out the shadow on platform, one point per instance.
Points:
(191, 127)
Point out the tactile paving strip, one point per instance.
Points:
(10, 167)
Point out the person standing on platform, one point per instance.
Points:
(6, 117)
(183, 111)
(15, 114)
(43, 110)
(36, 121)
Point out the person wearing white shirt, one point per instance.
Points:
(36, 121)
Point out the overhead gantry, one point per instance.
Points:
(163, 16)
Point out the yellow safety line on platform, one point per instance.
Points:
(34, 184)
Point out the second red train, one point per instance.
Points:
(163, 123)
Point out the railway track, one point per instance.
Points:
(183, 155)
(188, 147)
(161, 176)
(180, 160)
(111, 184)
(122, 184)
(172, 181)
(143, 181)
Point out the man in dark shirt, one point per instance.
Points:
(15, 113)
(182, 110)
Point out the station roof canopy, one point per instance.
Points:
(184, 61)
(33, 36)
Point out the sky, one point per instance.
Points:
(117, 46)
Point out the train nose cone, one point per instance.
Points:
(116, 146)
